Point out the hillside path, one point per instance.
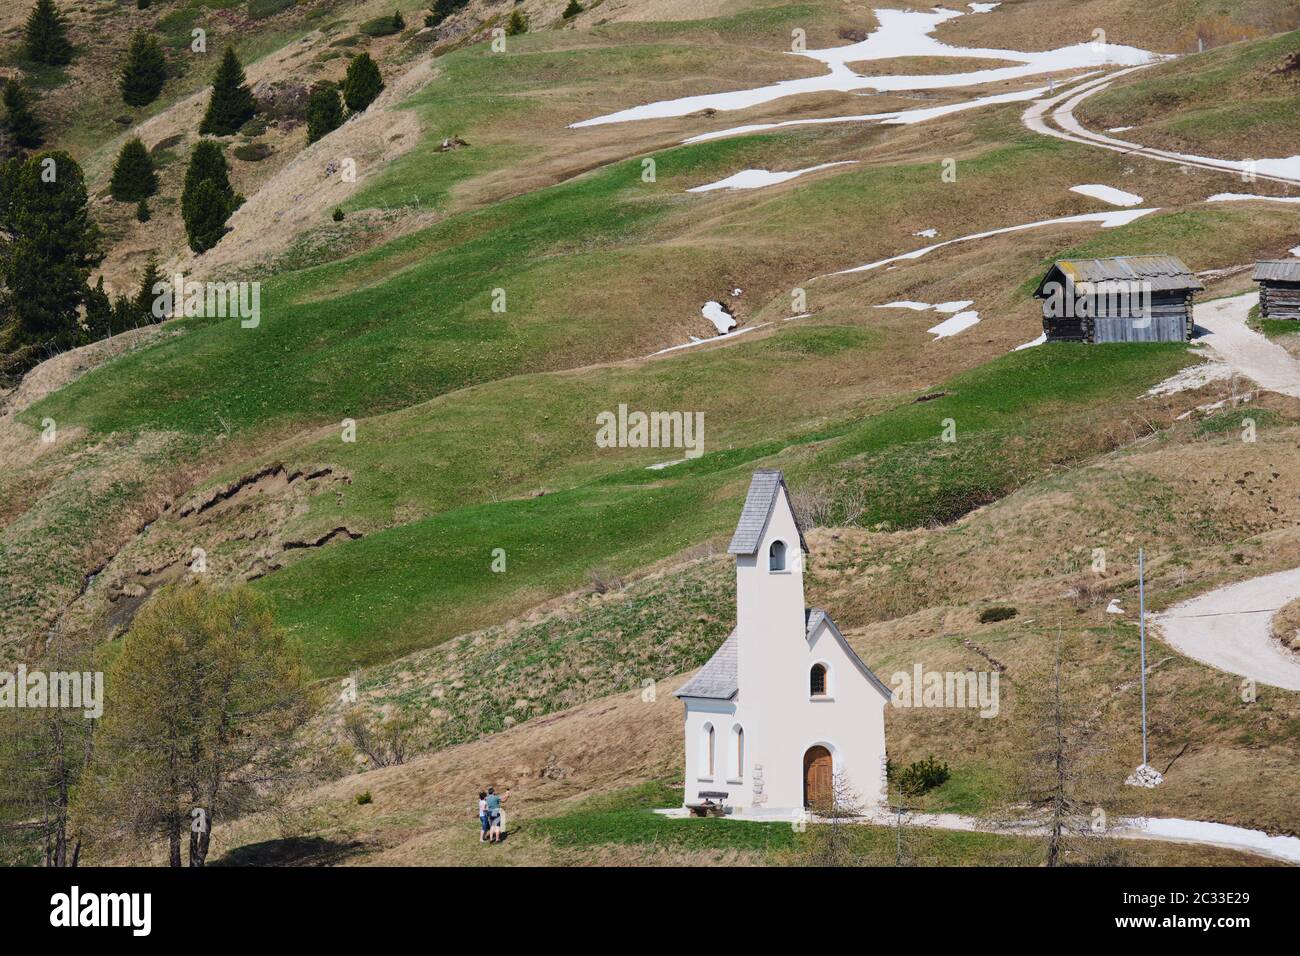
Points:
(1060, 110)
(1249, 353)
(1229, 629)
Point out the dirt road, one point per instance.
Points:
(1228, 629)
(1249, 353)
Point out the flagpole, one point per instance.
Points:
(1142, 629)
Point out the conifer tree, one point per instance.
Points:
(144, 299)
(145, 70)
(362, 83)
(142, 213)
(133, 175)
(20, 117)
(99, 314)
(517, 24)
(45, 37)
(206, 199)
(324, 111)
(50, 244)
(572, 10)
(232, 104)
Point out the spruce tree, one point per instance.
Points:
(232, 104)
(20, 118)
(51, 246)
(362, 83)
(145, 70)
(133, 175)
(46, 35)
(98, 323)
(399, 22)
(572, 10)
(324, 111)
(206, 199)
(517, 24)
(144, 299)
(142, 213)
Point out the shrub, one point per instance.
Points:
(45, 37)
(338, 214)
(572, 10)
(517, 24)
(20, 118)
(324, 111)
(399, 22)
(362, 83)
(379, 27)
(232, 103)
(998, 612)
(922, 776)
(364, 797)
(133, 175)
(145, 70)
(142, 213)
(252, 152)
(261, 9)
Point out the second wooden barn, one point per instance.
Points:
(1279, 288)
(1121, 299)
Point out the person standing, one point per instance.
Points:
(496, 816)
(483, 818)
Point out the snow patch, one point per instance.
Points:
(717, 338)
(984, 7)
(758, 178)
(1119, 129)
(1295, 251)
(927, 233)
(900, 33)
(906, 304)
(898, 118)
(1116, 197)
(1193, 377)
(958, 323)
(1282, 847)
(1029, 345)
(957, 306)
(1107, 220)
(717, 313)
(1246, 197)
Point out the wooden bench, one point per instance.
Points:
(711, 805)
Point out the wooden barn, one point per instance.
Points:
(1279, 288)
(1123, 299)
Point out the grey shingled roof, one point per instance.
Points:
(1278, 270)
(813, 617)
(1163, 273)
(719, 678)
(763, 489)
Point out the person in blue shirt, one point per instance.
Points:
(496, 818)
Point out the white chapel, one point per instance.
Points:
(785, 705)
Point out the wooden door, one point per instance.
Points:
(817, 777)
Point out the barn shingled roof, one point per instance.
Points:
(763, 492)
(1277, 270)
(1163, 273)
